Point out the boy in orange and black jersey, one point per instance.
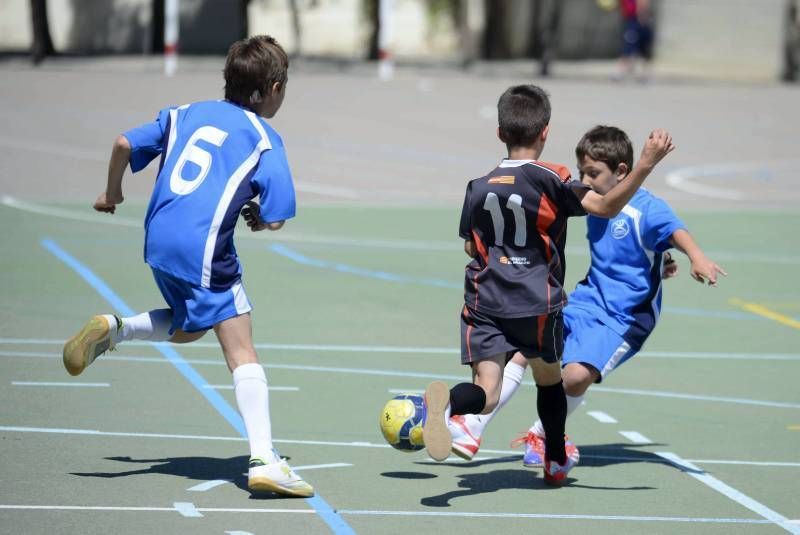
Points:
(514, 223)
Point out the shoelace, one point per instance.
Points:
(526, 437)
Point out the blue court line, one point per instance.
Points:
(325, 511)
(291, 254)
(300, 258)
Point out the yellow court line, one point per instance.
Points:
(793, 428)
(765, 312)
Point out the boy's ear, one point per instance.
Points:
(545, 131)
(500, 135)
(276, 88)
(622, 171)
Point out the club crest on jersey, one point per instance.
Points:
(619, 229)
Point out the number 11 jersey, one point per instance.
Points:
(517, 218)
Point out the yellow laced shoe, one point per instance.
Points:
(276, 477)
(92, 340)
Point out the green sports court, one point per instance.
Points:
(358, 298)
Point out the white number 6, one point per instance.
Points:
(200, 157)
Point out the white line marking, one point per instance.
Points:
(411, 349)
(187, 509)
(238, 533)
(362, 444)
(391, 373)
(681, 179)
(207, 485)
(316, 466)
(406, 391)
(636, 437)
(361, 512)
(271, 388)
(709, 480)
(602, 417)
(42, 383)
(359, 242)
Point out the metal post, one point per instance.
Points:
(171, 32)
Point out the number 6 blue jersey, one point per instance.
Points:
(517, 217)
(215, 156)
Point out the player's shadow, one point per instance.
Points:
(487, 482)
(195, 468)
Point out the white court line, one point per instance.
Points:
(420, 350)
(396, 244)
(43, 383)
(391, 373)
(602, 417)
(357, 444)
(153, 509)
(187, 509)
(682, 179)
(636, 437)
(406, 391)
(208, 485)
(730, 492)
(363, 512)
(270, 387)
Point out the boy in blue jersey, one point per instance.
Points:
(616, 306)
(514, 222)
(215, 157)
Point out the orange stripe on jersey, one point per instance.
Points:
(561, 170)
(544, 218)
(481, 248)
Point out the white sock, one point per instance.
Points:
(252, 396)
(153, 326)
(512, 377)
(573, 402)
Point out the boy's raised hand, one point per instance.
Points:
(658, 145)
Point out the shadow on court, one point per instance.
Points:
(471, 484)
(195, 468)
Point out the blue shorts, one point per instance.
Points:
(195, 308)
(589, 341)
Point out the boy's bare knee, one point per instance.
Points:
(545, 373)
(578, 378)
(182, 337)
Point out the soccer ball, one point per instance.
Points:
(401, 422)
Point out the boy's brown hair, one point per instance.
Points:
(523, 112)
(606, 144)
(252, 67)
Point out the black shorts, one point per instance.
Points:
(484, 336)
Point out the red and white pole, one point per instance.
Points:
(385, 59)
(171, 31)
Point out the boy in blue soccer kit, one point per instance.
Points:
(514, 226)
(616, 306)
(215, 156)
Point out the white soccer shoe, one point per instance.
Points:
(465, 442)
(92, 340)
(276, 477)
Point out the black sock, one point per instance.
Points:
(467, 398)
(551, 402)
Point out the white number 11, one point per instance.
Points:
(492, 205)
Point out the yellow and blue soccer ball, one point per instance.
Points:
(401, 422)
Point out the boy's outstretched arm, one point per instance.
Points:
(702, 267)
(658, 145)
(252, 216)
(112, 196)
